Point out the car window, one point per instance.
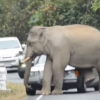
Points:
(40, 59)
(95, 71)
(9, 44)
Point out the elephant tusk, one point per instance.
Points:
(25, 60)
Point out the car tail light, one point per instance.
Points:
(77, 73)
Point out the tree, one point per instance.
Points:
(14, 18)
(18, 16)
(64, 12)
(96, 5)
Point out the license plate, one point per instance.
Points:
(69, 76)
(35, 74)
(7, 64)
(2, 64)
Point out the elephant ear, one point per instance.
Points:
(41, 32)
(42, 36)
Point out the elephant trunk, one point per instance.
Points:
(27, 72)
(28, 61)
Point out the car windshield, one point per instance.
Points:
(40, 59)
(9, 44)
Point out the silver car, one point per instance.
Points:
(72, 78)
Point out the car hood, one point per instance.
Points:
(40, 67)
(9, 52)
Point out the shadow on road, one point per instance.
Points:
(66, 92)
(12, 71)
(75, 92)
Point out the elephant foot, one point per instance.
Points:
(45, 92)
(56, 91)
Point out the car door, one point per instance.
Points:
(96, 81)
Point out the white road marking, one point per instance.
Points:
(39, 97)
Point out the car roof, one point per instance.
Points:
(8, 38)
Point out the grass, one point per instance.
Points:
(17, 93)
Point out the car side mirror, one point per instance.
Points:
(20, 52)
(23, 46)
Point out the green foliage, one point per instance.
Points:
(64, 12)
(18, 16)
(14, 18)
(96, 5)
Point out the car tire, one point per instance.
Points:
(96, 88)
(30, 92)
(82, 88)
(21, 75)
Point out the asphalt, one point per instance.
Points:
(12, 76)
(71, 95)
(68, 95)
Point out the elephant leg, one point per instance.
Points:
(99, 78)
(59, 65)
(98, 70)
(58, 80)
(88, 74)
(47, 77)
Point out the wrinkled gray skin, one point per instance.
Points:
(75, 45)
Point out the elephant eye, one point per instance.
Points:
(29, 43)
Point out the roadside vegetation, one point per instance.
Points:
(18, 16)
(17, 93)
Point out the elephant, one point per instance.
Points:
(76, 45)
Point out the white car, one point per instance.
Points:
(72, 78)
(9, 52)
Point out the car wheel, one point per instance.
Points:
(82, 88)
(21, 75)
(30, 92)
(96, 88)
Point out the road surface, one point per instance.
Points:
(13, 77)
(68, 95)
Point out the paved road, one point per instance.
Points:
(69, 95)
(13, 77)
